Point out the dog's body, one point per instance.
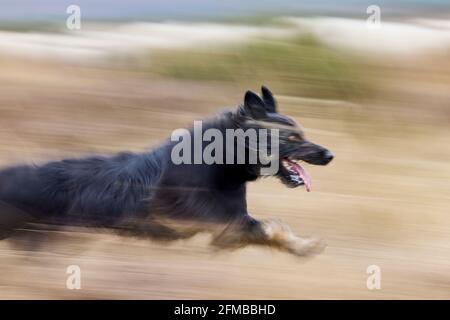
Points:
(148, 195)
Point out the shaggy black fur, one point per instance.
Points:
(135, 192)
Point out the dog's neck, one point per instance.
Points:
(234, 174)
(228, 176)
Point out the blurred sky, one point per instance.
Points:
(32, 10)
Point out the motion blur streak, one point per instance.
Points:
(379, 99)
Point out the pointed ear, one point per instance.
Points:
(269, 100)
(254, 106)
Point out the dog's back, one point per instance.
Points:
(99, 190)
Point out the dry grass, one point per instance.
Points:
(384, 200)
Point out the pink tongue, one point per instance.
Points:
(302, 173)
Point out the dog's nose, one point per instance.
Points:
(328, 156)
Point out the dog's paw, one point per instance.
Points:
(280, 235)
(306, 246)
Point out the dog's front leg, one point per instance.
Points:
(272, 233)
(280, 235)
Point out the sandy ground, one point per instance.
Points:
(384, 200)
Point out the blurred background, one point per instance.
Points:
(377, 95)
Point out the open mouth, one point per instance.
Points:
(296, 175)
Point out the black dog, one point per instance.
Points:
(149, 195)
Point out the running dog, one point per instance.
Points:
(148, 195)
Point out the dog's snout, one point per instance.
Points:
(328, 156)
(315, 154)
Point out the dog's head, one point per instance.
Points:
(293, 146)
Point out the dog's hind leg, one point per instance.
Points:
(272, 233)
(11, 218)
(155, 230)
